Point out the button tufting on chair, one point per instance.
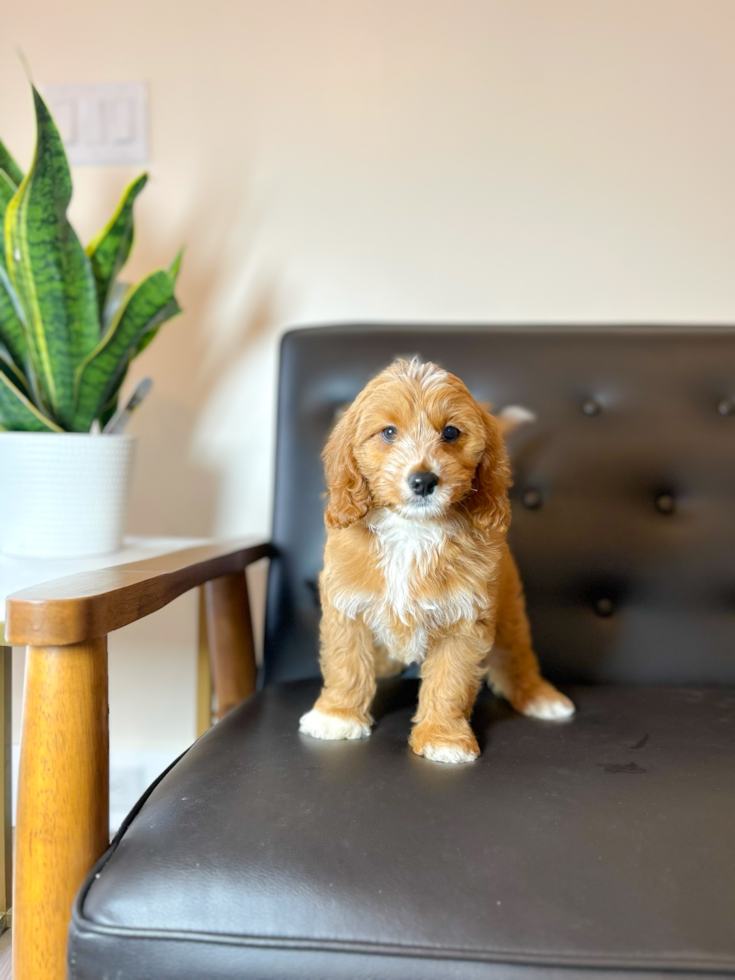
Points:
(604, 607)
(265, 853)
(665, 503)
(532, 499)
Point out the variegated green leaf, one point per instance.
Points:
(117, 297)
(175, 268)
(12, 332)
(147, 306)
(8, 164)
(149, 335)
(109, 251)
(8, 368)
(114, 385)
(17, 413)
(7, 189)
(115, 300)
(106, 413)
(51, 272)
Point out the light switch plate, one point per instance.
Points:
(101, 123)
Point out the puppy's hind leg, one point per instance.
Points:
(342, 710)
(512, 668)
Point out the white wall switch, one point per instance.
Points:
(104, 123)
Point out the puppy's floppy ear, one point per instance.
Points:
(488, 505)
(349, 496)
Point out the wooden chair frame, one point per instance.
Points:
(62, 824)
(6, 831)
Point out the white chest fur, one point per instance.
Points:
(410, 606)
(407, 549)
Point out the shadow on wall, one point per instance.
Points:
(213, 390)
(235, 434)
(172, 495)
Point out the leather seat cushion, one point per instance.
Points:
(605, 842)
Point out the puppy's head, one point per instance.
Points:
(415, 441)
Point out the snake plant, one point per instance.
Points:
(68, 327)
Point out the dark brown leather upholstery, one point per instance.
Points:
(601, 847)
(619, 589)
(604, 842)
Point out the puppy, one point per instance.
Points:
(416, 567)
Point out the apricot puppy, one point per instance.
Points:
(416, 567)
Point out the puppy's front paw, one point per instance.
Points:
(446, 752)
(548, 704)
(445, 745)
(320, 725)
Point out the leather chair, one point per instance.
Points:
(601, 846)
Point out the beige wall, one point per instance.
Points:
(353, 159)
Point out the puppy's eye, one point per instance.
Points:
(451, 433)
(389, 433)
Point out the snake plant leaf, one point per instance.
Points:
(7, 189)
(149, 335)
(11, 372)
(117, 296)
(115, 299)
(8, 164)
(175, 268)
(115, 384)
(12, 332)
(148, 305)
(51, 271)
(17, 412)
(109, 409)
(109, 251)
(8, 368)
(146, 339)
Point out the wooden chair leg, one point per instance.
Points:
(63, 799)
(6, 831)
(230, 633)
(204, 671)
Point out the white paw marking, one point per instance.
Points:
(550, 709)
(319, 725)
(449, 753)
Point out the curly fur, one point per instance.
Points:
(422, 580)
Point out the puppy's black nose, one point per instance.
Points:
(422, 482)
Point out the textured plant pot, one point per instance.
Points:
(63, 495)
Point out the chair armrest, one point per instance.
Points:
(81, 607)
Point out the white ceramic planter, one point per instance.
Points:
(63, 495)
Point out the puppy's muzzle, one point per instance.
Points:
(423, 482)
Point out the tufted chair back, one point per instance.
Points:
(624, 496)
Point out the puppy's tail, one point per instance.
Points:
(513, 417)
